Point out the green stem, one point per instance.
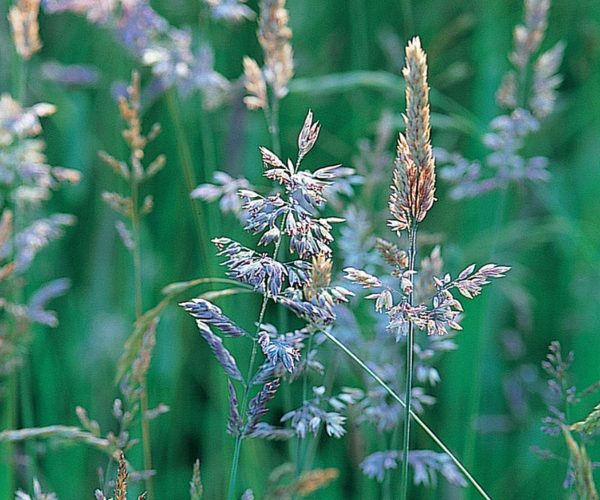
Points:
(410, 341)
(139, 309)
(414, 416)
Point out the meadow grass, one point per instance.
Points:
(239, 80)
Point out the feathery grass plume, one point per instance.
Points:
(528, 92)
(196, 487)
(414, 173)
(290, 215)
(23, 19)
(434, 309)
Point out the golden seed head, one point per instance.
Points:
(413, 186)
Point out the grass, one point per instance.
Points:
(548, 235)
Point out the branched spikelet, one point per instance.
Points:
(23, 18)
(413, 187)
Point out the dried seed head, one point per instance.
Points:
(23, 18)
(413, 186)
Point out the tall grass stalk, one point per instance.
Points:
(139, 309)
(410, 346)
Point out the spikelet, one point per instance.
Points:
(23, 19)
(413, 186)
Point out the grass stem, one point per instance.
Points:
(410, 341)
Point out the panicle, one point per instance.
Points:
(413, 186)
(274, 36)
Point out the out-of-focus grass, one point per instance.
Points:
(549, 234)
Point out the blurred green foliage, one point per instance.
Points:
(550, 234)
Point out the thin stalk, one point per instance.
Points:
(185, 157)
(248, 385)
(137, 267)
(410, 341)
(415, 417)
